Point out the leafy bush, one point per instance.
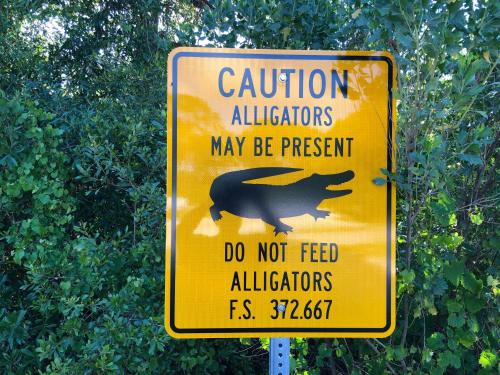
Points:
(82, 157)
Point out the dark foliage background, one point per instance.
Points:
(82, 156)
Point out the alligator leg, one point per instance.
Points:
(279, 226)
(215, 213)
(282, 228)
(319, 214)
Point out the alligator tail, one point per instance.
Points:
(234, 178)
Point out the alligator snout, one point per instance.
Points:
(335, 179)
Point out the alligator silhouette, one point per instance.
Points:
(274, 202)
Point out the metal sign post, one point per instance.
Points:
(279, 356)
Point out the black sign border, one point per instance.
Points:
(284, 56)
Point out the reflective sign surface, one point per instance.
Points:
(275, 226)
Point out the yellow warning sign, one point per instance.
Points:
(276, 223)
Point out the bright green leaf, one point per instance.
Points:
(487, 359)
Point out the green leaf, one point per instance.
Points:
(399, 353)
(286, 32)
(483, 113)
(487, 359)
(407, 276)
(444, 208)
(465, 337)
(454, 240)
(44, 198)
(454, 272)
(474, 304)
(473, 324)
(452, 342)
(456, 320)
(13, 190)
(356, 14)
(447, 359)
(454, 306)
(9, 161)
(439, 286)
(18, 256)
(436, 341)
(379, 181)
(476, 217)
(36, 226)
(437, 371)
(451, 241)
(427, 355)
(65, 285)
(471, 283)
(471, 159)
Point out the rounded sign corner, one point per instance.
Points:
(389, 331)
(172, 330)
(177, 52)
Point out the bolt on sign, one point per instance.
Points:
(280, 221)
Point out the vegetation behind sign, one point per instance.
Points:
(82, 173)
